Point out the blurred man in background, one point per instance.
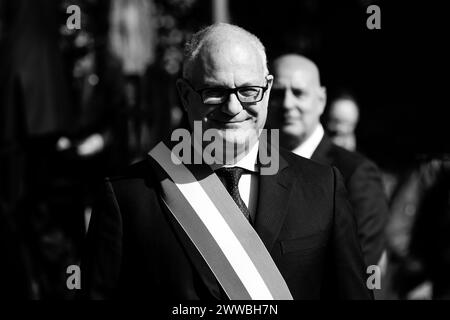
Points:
(298, 101)
(341, 120)
(417, 232)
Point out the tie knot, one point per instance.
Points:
(231, 174)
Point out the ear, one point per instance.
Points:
(270, 81)
(322, 99)
(270, 84)
(183, 92)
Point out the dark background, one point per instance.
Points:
(396, 72)
(398, 75)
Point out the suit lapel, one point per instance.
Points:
(321, 154)
(274, 194)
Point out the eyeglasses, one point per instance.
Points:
(247, 94)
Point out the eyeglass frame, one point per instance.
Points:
(229, 92)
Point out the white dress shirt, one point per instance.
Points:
(307, 148)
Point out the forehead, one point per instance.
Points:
(295, 78)
(230, 64)
(294, 71)
(344, 109)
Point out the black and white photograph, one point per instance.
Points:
(200, 154)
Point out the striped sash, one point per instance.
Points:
(225, 239)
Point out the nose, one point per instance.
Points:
(288, 99)
(232, 106)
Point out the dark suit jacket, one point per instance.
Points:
(136, 249)
(365, 189)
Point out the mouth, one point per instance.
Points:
(291, 120)
(230, 124)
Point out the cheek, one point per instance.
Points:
(312, 109)
(262, 117)
(259, 115)
(198, 112)
(310, 118)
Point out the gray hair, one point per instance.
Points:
(193, 46)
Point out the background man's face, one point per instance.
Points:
(342, 121)
(343, 117)
(296, 104)
(228, 66)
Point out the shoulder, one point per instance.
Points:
(350, 162)
(352, 158)
(136, 176)
(307, 170)
(299, 161)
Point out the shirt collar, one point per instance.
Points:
(248, 162)
(307, 148)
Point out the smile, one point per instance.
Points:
(229, 124)
(291, 120)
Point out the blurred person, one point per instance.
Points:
(298, 100)
(150, 237)
(97, 88)
(430, 244)
(95, 145)
(33, 113)
(132, 41)
(418, 232)
(341, 121)
(33, 108)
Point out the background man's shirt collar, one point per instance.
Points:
(307, 148)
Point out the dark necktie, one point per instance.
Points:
(230, 178)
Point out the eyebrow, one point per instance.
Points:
(281, 86)
(252, 82)
(222, 86)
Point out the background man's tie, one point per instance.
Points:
(230, 178)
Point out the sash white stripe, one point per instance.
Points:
(215, 223)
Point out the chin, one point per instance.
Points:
(234, 145)
(293, 131)
(290, 140)
(239, 136)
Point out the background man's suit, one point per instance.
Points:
(365, 190)
(136, 249)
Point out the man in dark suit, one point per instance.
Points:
(297, 102)
(138, 245)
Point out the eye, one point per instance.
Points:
(298, 92)
(210, 100)
(249, 92)
(214, 96)
(214, 93)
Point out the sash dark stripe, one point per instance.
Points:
(204, 242)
